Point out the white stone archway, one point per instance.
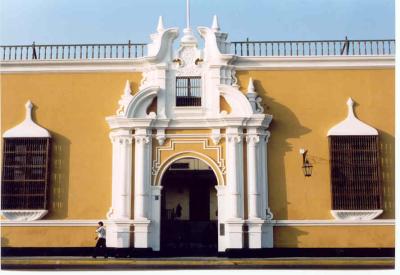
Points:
(220, 187)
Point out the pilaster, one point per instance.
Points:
(234, 178)
(142, 183)
(120, 211)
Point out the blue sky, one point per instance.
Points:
(98, 21)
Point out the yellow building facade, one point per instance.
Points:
(118, 131)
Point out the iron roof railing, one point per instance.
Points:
(72, 51)
(241, 48)
(314, 47)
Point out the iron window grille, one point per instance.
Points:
(188, 91)
(355, 173)
(25, 176)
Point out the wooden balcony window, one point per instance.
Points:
(355, 173)
(25, 174)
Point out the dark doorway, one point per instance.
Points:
(189, 210)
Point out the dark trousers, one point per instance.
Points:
(100, 248)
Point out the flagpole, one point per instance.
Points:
(188, 14)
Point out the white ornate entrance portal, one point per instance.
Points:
(187, 87)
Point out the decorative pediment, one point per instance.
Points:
(27, 128)
(352, 126)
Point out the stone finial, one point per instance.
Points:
(250, 87)
(28, 108)
(215, 24)
(127, 90)
(350, 105)
(126, 98)
(160, 25)
(254, 99)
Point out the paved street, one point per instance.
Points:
(87, 263)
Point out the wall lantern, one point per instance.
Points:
(307, 166)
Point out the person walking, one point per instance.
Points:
(101, 247)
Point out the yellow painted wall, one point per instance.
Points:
(334, 236)
(73, 107)
(48, 236)
(305, 105)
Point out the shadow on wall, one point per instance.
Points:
(59, 183)
(59, 175)
(285, 236)
(386, 142)
(285, 125)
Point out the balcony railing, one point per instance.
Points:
(241, 48)
(314, 48)
(73, 51)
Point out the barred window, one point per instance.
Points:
(188, 91)
(25, 174)
(355, 173)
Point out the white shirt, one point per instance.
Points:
(101, 232)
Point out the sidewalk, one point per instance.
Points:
(87, 263)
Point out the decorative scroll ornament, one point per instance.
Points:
(125, 99)
(254, 99)
(110, 213)
(269, 216)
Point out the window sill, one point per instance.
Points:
(356, 215)
(23, 215)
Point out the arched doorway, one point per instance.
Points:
(189, 209)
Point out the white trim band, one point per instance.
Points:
(314, 62)
(83, 223)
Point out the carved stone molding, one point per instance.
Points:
(124, 139)
(142, 139)
(252, 139)
(215, 136)
(232, 138)
(170, 146)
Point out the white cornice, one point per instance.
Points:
(83, 223)
(257, 120)
(57, 66)
(314, 62)
(240, 63)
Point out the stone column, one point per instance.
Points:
(234, 179)
(118, 229)
(142, 187)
